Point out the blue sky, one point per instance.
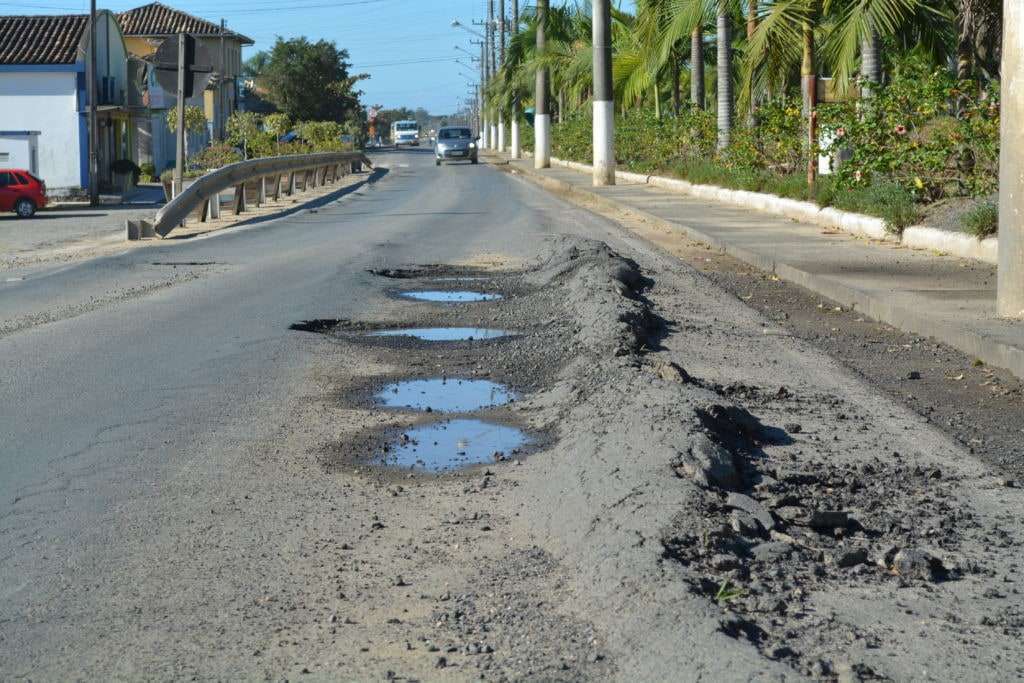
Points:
(407, 46)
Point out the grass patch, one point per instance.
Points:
(982, 221)
(883, 199)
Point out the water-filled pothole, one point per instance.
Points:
(445, 395)
(453, 444)
(443, 333)
(316, 325)
(449, 297)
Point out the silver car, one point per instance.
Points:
(454, 143)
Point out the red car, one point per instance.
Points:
(21, 192)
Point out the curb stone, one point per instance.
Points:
(915, 237)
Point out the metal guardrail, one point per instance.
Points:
(314, 170)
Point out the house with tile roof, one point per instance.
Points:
(145, 28)
(44, 102)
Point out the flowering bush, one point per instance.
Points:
(933, 135)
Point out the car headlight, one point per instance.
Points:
(472, 145)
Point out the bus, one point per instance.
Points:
(405, 133)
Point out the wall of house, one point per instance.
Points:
(111, 60)
(19, 150)
(47, 101)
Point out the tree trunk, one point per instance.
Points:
(676, 97)
(724, 76)
(657, 98)
(751, 27)
(965, 40)
(809, 82)
(870, 63)
(697, 68)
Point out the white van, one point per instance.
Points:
(405, 133)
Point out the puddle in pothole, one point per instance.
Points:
(449, 297)
(453, 444)
(321, 325)
(444, 333)
(445, 395)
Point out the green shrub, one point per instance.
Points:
(982, 221)
(884, 199)
(217, 155)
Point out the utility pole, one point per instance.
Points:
(94, 132)
(541, 116)
(494, 64)
(516, 149)
(1010, 290)
(604, 106)
(485, 130)
(179, 161)
(222, 86)
(501, 63)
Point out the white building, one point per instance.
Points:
(43, 99)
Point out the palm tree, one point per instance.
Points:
(725, 99)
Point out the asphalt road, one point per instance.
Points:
(168, 507)
(134, 385)
(126, 383)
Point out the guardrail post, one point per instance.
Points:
(263, 191)
(291, 184)
(239, 198)
(277, 187)
(204, 212)
(214, 203)
(336, 169)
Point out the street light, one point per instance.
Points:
(471, 55)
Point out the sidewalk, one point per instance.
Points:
(948, 298)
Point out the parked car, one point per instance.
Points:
(21, 192)
(455, 142)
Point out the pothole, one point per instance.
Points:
(445, 395)
(453, 444)
(449, 297)
(444, 333)
(319, 325)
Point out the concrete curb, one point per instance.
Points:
(903, 317)
(915, 237)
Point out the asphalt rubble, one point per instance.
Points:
(698, 537)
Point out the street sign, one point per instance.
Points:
(198, 69)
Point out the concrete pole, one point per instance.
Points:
(94, 131)
(516, 151)
(494, 65)
(501, 64)
(179, 135)
(1010, 289)
(485, 131)
(604, 105)
(541, 116)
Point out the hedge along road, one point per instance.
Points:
(166, 514)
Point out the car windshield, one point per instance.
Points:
(405, 126)
(454, 134)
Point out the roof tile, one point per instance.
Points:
(41, 39)
(156, 19)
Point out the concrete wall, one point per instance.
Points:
(46, 101)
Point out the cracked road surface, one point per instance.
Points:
(188, 487)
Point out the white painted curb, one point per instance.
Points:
(915, 237)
